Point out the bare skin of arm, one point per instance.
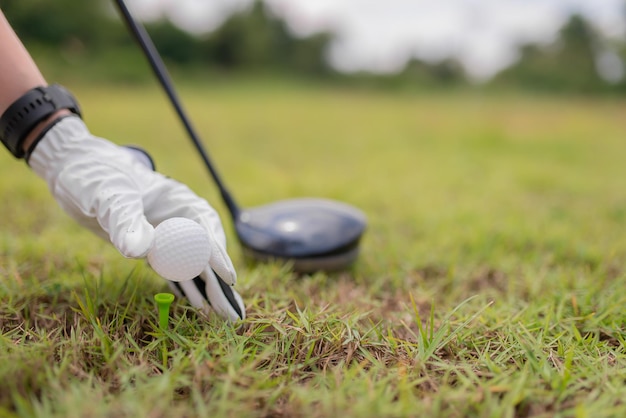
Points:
(19, 74)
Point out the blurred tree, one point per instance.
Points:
(256, 40)
(72, 40)
(61, 22)
(87, 37)
(174, 44)
(89, 33)
(416, 75)
(567, 65)
(444, 73)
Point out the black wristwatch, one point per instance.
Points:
(30, 109)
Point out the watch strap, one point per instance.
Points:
(26, 112)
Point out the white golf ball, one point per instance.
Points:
(181, 249)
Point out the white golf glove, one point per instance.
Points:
(112, 192)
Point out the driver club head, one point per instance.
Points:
(311, 233)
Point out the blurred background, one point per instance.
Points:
(562, 46)
(473, 133)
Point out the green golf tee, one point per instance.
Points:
(163, 301)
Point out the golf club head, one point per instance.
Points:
(313, 234)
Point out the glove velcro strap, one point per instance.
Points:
(30, 109)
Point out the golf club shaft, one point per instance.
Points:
(151, 53)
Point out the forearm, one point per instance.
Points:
(18, 74)
(18, 71)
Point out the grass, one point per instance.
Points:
(491, 281)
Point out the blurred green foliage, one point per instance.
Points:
(568, 65)
(61, 23)
(87, 40)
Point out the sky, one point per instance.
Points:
(382, 35)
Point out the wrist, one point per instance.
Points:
(41, 127)
(27, 118)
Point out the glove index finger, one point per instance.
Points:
(221, 263)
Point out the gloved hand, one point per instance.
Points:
(110, 191)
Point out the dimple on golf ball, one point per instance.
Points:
(181, 249)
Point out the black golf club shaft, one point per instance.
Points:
(151, 53)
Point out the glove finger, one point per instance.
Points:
(208, 291)
(170, 198)
(102, 192)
